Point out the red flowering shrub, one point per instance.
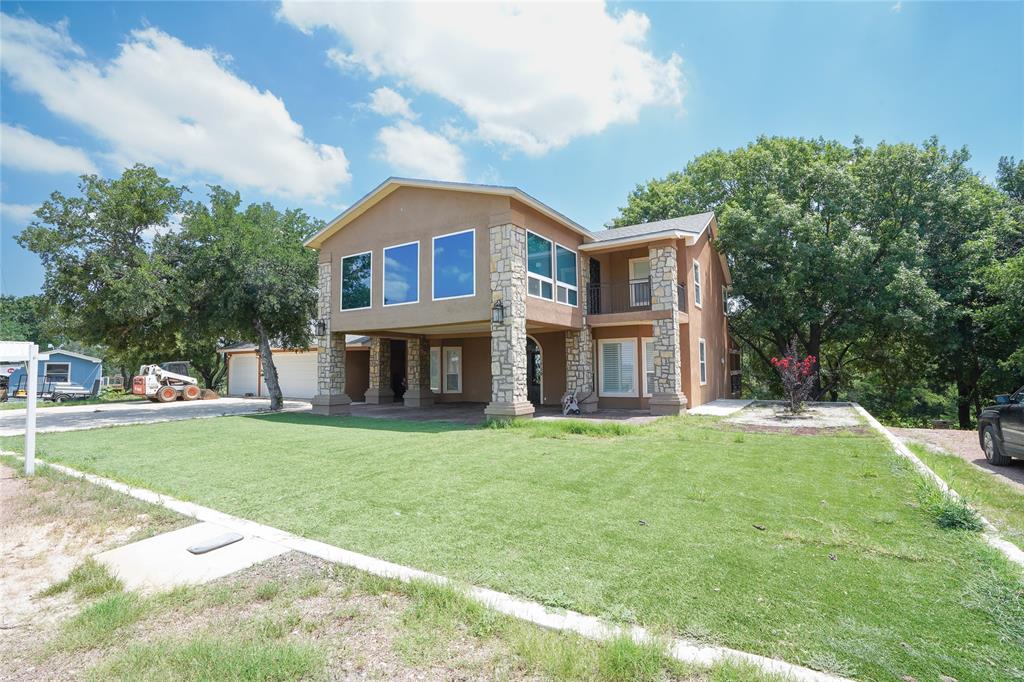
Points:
(798, 376)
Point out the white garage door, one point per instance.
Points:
(242, 375)
(297, 374)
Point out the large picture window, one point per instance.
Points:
(402, 274)
(454, 265)
(539, 280)
(618, 368)
(356, 275)
(566, 277)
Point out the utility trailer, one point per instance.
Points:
(54, 391)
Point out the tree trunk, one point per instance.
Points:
(963, 404)
(269, 370)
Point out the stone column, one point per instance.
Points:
(417, 373)
(579, 350)
(330, 356)
(379, 390)
(667, 396)
(508, 337)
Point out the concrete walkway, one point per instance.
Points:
(569, 621)
(78, 417)
(722, 407)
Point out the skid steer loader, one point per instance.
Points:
(163, 386)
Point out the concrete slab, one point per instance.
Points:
(722, 407)
(163, 561)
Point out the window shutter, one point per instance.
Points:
(611, 368)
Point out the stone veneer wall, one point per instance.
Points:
(508, 338)
(579, 349)
(330, 351)
(380, 370)
(668, 386)
(417, 372)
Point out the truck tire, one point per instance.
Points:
(990, 445)
(191, 392)
(166, 394)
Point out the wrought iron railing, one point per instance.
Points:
(619, 297)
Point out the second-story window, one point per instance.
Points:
(539, 280)
(402, 274)
(454, 265)
(356, 272)
(566, 290)
(698, 299)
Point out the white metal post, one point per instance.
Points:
(30, 413)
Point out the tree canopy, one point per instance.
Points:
(876, 260)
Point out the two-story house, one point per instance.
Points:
(483, 294)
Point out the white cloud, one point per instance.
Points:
(897, 6)
(21, 214)
(162, 102)
(387, 102)
(412, 150)
(21, 149)
(531, 76)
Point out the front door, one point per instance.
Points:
(534, 371)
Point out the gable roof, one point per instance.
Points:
(382, 190)
(683, 226)
(61, 351)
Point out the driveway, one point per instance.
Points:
(965, 444)
(12, 422)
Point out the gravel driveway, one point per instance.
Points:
(965, 444)
(12, 422)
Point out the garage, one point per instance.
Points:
(296, 370)
(242, 371)
(297, 374)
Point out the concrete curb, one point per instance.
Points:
(991, 534)
(533, 612)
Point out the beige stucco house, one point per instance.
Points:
(483, 294)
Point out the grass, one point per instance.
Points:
(814, 549)
(89, 579)
(997, 500)
(19, 403)
(98, 623)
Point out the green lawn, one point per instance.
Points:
(654, 524)
(999, 501)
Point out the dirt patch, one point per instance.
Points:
(816, 420)
(965, 445)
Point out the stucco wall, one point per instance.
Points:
(708, 321)
(476, 369)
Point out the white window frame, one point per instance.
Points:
(433, 273)
(600, 375)
(341, 282)
(698, 289)
(542, 278)
(384, 270)
(444, 369)
(46, 371)
(702, 361)
(435, 356)
(554, 271)
(643, 344)
(633, 301)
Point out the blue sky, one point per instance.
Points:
(313, 105)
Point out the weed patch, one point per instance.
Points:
(949, 512)
(89, 579)
(97, 624)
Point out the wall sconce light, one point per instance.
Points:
(498, 312)
(321, 327)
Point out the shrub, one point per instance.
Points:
(798, 376)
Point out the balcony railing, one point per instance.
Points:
(624, 297)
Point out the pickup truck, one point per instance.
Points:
(1001, 428)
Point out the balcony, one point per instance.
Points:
(625, 297)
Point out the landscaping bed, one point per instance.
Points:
(816, 549)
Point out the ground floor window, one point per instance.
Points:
(702, 357)
(435, 370)
(648, 367)
(618, 368)
(58, 372)
(452, 370)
